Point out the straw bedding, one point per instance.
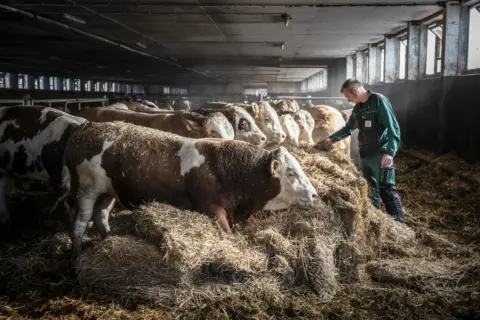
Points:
(341, 259)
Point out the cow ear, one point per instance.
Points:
(191, 125)
(256, 109)
(275, 168)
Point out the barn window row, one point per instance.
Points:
(315, 83)
(431, 42)
(27, 82)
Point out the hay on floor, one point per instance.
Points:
(178, 253)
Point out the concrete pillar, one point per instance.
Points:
(42, 82)
(29, 82)
(57, 83)
(374, 64)
(451, 34)
(12, 80)
(349, 67)
(413, 50)
(463, 39)
(359, 66)
(391, 59)
(422, 50)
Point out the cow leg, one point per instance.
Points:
(84, 207)
(4, 213)
(61, 186)
(220, 216)
(104, 205)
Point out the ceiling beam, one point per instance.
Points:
(244, 5)
(93, 36)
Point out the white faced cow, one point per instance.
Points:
(243, 123)
(290, 126)
(228, 180)
(267, 120)
(306, 123)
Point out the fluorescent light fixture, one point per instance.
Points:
(70, 17)
(286, 18)
(141, 45)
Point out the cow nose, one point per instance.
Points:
(284, 136)
(263, 139)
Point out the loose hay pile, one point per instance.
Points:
(342, 259)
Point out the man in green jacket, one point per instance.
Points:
(379, 140)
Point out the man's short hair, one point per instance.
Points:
(351, 83)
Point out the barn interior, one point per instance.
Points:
(422, 55)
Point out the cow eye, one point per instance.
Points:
(267, 119)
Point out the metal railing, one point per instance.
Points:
(30, 102)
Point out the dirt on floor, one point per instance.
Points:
(342, 259)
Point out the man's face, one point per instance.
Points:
(351, 96)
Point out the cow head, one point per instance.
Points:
(148, 103)
(292, 130)
(217, 126)
(268, 121)
(287, 106)
(295, 186)
(245, 127)
(306, 125)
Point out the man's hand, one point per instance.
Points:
(387, 160)
(325, 145)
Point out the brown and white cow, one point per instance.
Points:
(327, 121)
(267, 120)
(184, 123)
(243, 124)
(33, 139)
(228, 180)
(292, 129)
(306, 123)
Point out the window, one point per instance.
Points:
(87, 85)
(473, 61)
(402, 61)
(3, 80)
(382, 64)
(77, 85)
(96, 86)
(66, 84)
(434, 49)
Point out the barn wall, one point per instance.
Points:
(438, 114)
(282, 87)
(198, 89)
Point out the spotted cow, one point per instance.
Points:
(228, 180)
(33, 140)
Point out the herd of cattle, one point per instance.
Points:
(213, 160)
